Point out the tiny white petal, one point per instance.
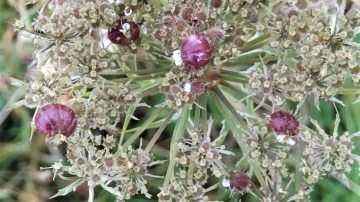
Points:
(280, 138)
(177, 57)
(105, 43)
(187, 87)
(222, 151)
(226, 183)
(125, 28)
(48, 69)
(290, 141)
(282, 191)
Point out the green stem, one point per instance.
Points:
(159, 131)
(256, 43)
(91, 194)
(201, 101)
(179, 132)
(143, 127)
(126, 123)
(234, 78)
(150, 91)
(225, 107)
(139, 72)
(241, 93)
(137, 78)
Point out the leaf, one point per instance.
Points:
(16, 105)
(334, 99)
(357, 100)
(236, 123)
(16, 82)
(126, 122)
(155, 124)
(71, 187)
(179, 132)
(258, 41)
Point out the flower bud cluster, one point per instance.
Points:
(259, 141)
(195, 156)
(67, 33)
(327, 155)
(91, 157)
(48, 86)
(92, 66)
(264, 148)
(201, 151)
(322, 36)
(181, 87)
(274, 82)
(105, 105)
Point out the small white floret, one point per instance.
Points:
(226, 183)
(125, 28)
(187, 87)
(177, 57)
(48, 69)
(286, 139)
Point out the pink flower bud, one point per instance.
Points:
(55, 119)
(196, 52)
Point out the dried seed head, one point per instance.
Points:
(55, 119)
(124, 32)
(284, 123)
(196, 52)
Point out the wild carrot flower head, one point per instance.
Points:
(118, 74)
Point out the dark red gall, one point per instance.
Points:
(55, 119)
(116, 34)
(284, 123)
(239, 181)
(196, 52)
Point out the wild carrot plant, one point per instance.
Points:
(230, 78)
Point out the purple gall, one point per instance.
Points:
(54, 119)
(238, 181)
(284, 123)
(196, 52)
